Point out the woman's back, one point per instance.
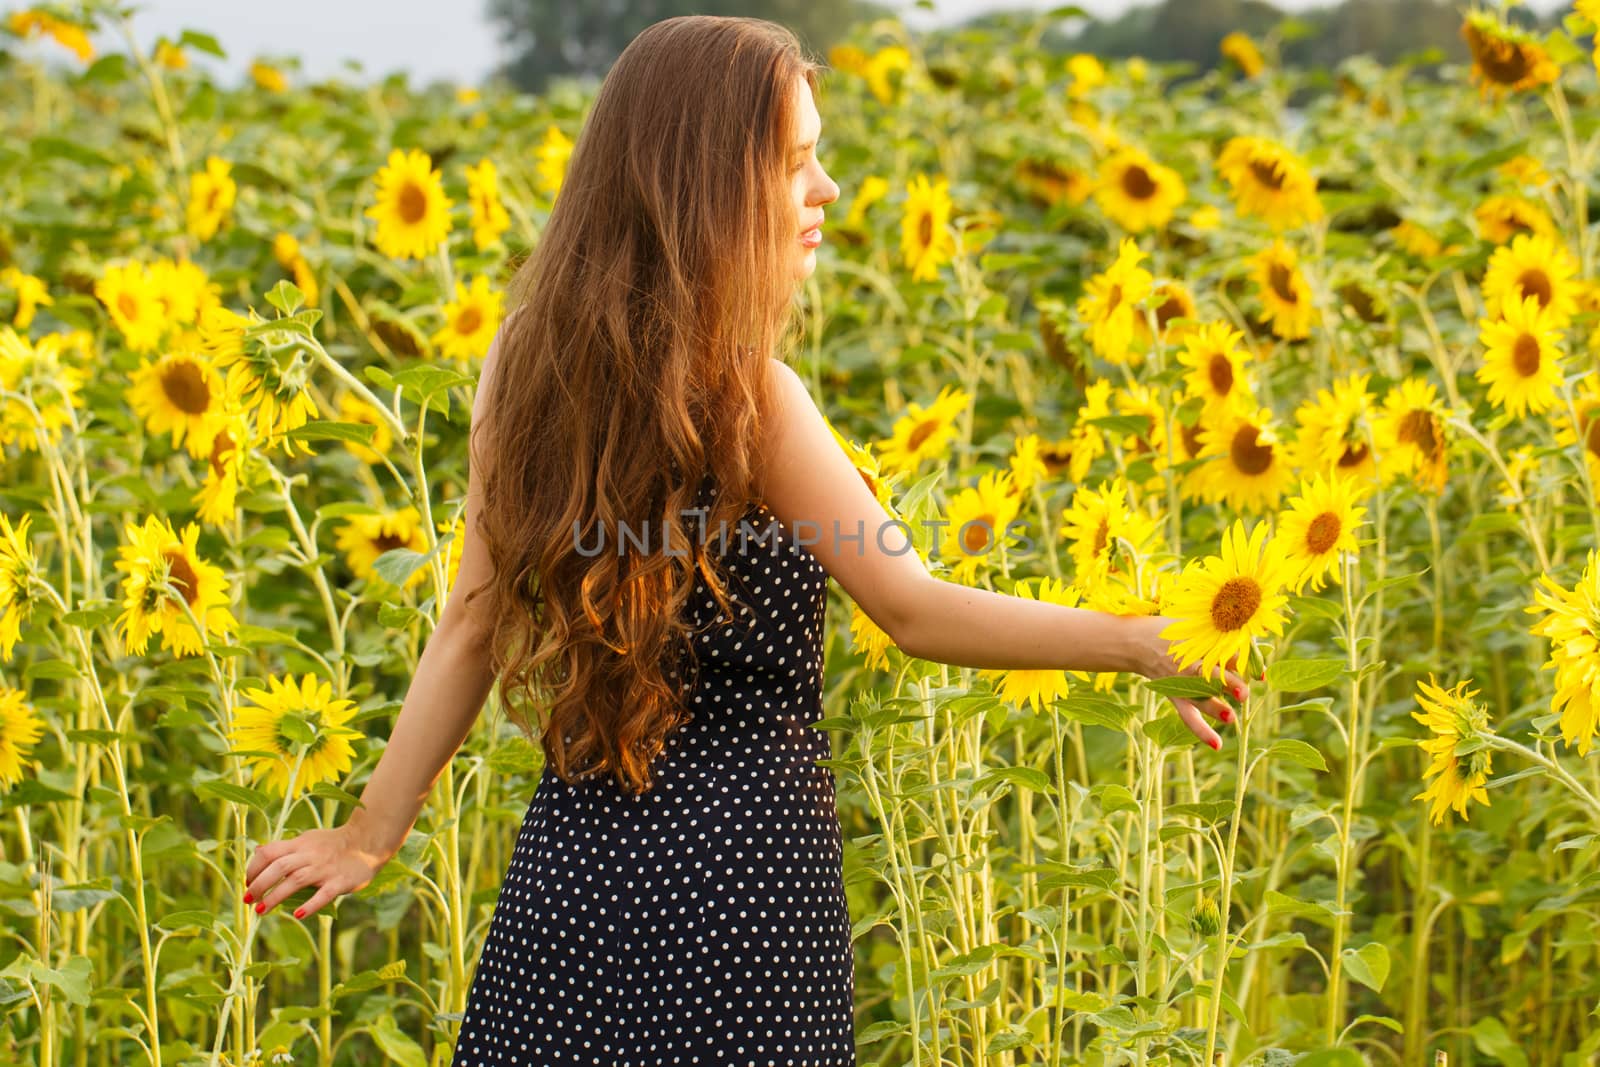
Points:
(705, 918)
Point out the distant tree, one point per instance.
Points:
(550, 38)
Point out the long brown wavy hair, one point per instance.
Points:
(633, 366)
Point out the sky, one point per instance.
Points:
(424, 37)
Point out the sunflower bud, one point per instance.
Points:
(1205, 920)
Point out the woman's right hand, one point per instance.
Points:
(1153, 657)
(334, 860)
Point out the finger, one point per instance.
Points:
(1219, 709)
(263, 883)
(264, 854)
(324, 893)
(1197, 724)
(1237, 685)
(291, 883)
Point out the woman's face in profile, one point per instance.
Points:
(809, 184)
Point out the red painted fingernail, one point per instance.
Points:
(1226, 716)
(1217, 744)
(248, 898)
(299, 913)
(261, 907)
(1238, 692)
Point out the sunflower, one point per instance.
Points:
(979, 521)
(366, 537)
(1571, 620)
(488, 215)
(412, 212)
(1534, 265)
(211, 195)
(17, 572)
(551, 159)
(1455, 719)
(1285, 296)
(155, 551)
(1111, 304)
(869, 639)
(1247, 463)
(131, 299)
(866, 465)
(268, 77)
(1239, 48)
(68, 35)
(289, 718)
(925, 237)
(170, 56)
(1218, 371)
(1027, 468)
(1270, 181)
(179, 392)
(1505, 59)
(1047, 182)
(1225, 603)
(1036, 688)
(353, 409)
(286, 250)
(1107, 534)
(183, 290)
(923, 433)
(216, 501)
(20, 730)
(1334, 430)
(880, 69)
(470, 321)
(31, 294)
(277, 391)
(1410, 434)
(1524, 170)
(1586, 408)
(1137, 192)
(1317, 526)
(1522, 361)
(1590, 9)
(1088, 74)
(456, 530)
(1085, 442)
(1501, 217)
(1172, 302)
(1414, 240)
(872, 189)
(51, 385)
(1149, 441)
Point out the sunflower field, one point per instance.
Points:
(1303, 360)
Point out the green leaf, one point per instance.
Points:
(204, 42)
(1332, 1057)
(332, 430)
(1303, 675)
(1169, 731)
(1368, 964)
(286, 296)
(1490, 1036)
(396, 1045)
(1184, 685)
(1098, 710)
(1299, 752)
(1114, 797)
(238, 794)
(1027, 777)
(50, 668)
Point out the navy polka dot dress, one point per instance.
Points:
(703, 922)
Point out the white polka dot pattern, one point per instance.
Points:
(704, 922)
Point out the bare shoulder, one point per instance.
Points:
(815, 490)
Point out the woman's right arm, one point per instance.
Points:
(452, 680)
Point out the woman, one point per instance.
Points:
(675, 892)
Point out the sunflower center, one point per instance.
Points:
(221, 445)
(128, 305)
(1353, 455)
(925, 230)
(1525, 355)
(1535, 282)
(1249, 455)
(1416, 428)
(1191, 439)
(921, 433)
(1221, 371)
(1267, 173)
(385, 542)
(1172, 307)
(469, 321)
(412, 204)
(1137, 183)
(1235, 603)
(185, 386)
(975, 533)
(1591, 436)
(1102, 535)
(1113, 299)
(1323, 532)
(182, 575)
(1282, 282)
(1502, 62)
